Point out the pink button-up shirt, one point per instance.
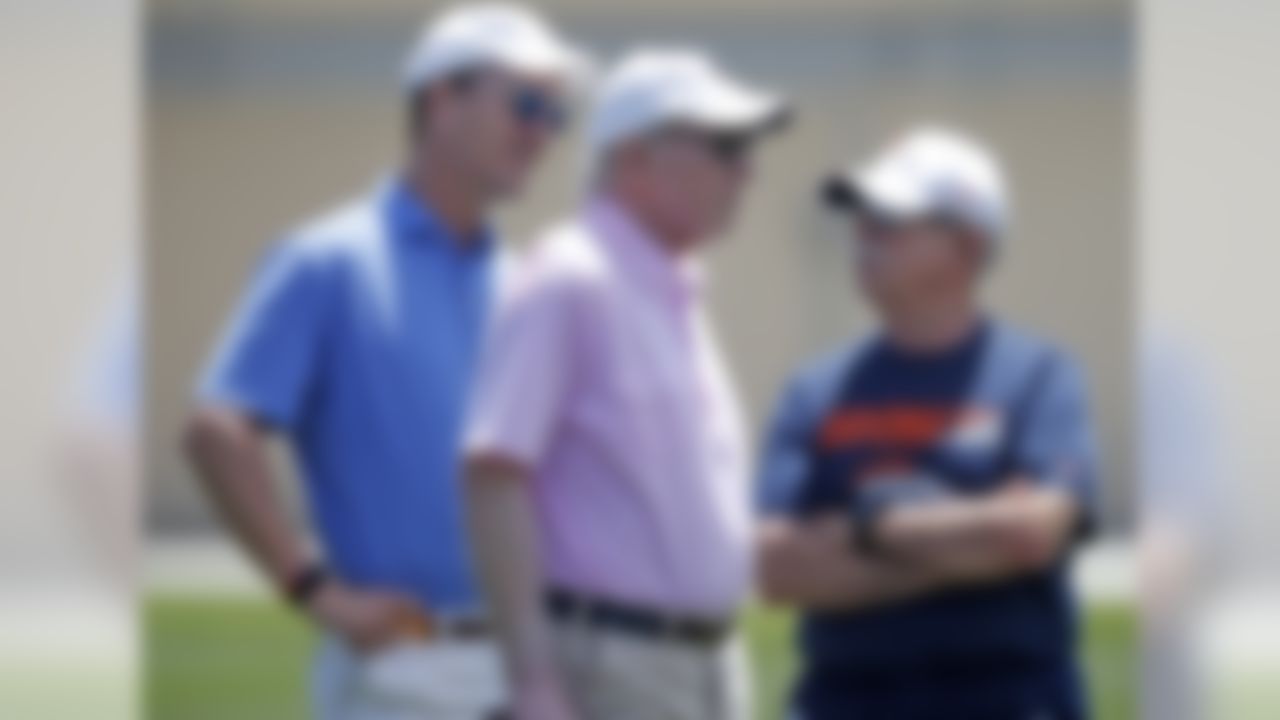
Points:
(603, 378)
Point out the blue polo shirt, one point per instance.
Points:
(997, 404)
(357, 340)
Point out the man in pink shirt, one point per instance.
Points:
(607, 481)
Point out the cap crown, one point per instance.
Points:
(946, 173)
(476, 34)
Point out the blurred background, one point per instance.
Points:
(263, 112)
(69, 204)
(1141, 154)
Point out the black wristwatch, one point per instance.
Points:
(306, 584)
(865, 513)
(868, 504)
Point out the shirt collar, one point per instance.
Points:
(410, 218)
(974, 338)
(641, 254)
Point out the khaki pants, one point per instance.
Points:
(440, 680)
(613, 675)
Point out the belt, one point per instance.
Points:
(643, 622)
(467, 627)
(448, 627)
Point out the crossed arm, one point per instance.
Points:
(921, 549)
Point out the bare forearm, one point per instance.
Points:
(987, 538)
(230, 457)
(857, 582)
(504, 541)
(814, 566)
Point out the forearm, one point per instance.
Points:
(813, 565)
(230, 457)
(504, 542)
(857, 581)
(984, 538)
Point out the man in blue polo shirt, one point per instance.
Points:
(923, 487)
(355, 343)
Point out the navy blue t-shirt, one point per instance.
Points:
(996, 405)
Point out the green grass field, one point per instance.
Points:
(248, 659)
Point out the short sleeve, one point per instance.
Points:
(267, 358)
(785, 465)
(1057, 444)
(520, 390)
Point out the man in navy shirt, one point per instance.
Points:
(356, 343)
(923, 487)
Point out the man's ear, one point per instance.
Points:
(415, 107)
(624, 161)
(628, 154)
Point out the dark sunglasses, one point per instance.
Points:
(538, 108)
(529, 105)
(728, 148)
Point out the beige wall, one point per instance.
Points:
(345, 8)
(263, 113)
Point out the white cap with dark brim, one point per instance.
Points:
(930, 173)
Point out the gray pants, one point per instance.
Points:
(443, 680)
(611, 675)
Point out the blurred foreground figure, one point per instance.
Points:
(1183, 549)
(608, 488)
(355, 343)
(100, 475)
(923, 487)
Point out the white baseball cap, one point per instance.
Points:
(931, 172)
(654, 87)
(507, 35)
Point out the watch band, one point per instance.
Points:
(306, 583)
(865, 514)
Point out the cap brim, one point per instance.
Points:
(861, 195)
(560, 62)
(847, 195)
(838, 193)
(565, 63)
(744, 111)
